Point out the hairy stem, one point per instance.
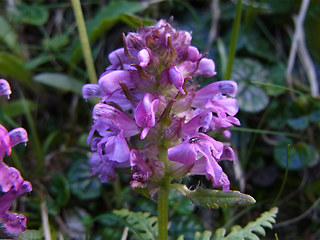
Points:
(85, 45)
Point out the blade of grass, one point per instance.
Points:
(234, 38)
(85, 45)
(284, 178)
(34, 138)
(270, 132)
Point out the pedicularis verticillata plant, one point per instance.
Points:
(11, 183)
(154, 118)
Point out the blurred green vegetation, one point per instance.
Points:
(40, 55)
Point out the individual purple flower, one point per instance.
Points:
(214, 98)
(13, 222)
(153, 118)
(145, 113)
(176, 78)
(12, 185)
(144, 58)
(112, 81)
(4, 88)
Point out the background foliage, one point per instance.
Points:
(40, 55)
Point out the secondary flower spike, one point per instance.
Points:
(12, 185)
(152, 116)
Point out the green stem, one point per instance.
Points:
(234, 37)
(85, 45)
(163, 197)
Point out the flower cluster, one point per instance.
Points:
(153, 118)
(11, 183)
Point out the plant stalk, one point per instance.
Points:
(85, 45)
(163, 197)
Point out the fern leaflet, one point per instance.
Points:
(249, 232)
(141, 224)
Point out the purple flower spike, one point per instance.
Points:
(150, 91)
(145, 113)
(176, 78)
(144, 58)
(4, 88)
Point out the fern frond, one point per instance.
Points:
(206, 235)
(141, 224)
(251, 230)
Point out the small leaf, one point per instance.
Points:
(214, 198)
(60, 189)
(206, 235)
(59, 81)
(276, 76)
(315, 116)
(300, 123)
(30, 235)
(38, 60)
(16, 107)
(7, 35)
(13, 66)
(251, 98)
(82, 183)
(300, 155)
(258, 46)
(141, 224)
(56, 42)
(33, 14)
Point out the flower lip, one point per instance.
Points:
(5, 88)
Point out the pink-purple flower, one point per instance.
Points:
(12, 185)
(153, 117)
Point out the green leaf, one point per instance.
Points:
(206, 235)
(249, 232)
(16, 107)
(251, 98)
(59, 81)
(276, 76)
(12, 66)
(299, 123)
(315, 116)
(34, 14)
(258, 46)
(56, 42)
(184, 224)
(30, 235)
(108, 16)
(7, 35)
(38, 60)
(141, 224)
(214, 198)
(300, 155)
(60, 189)
(82, 183)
